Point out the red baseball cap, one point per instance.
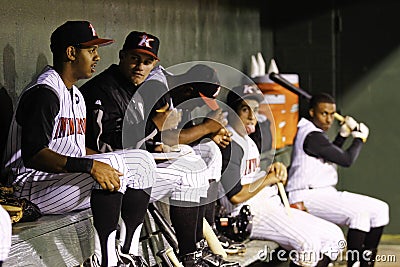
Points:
(76, 33)
(142, 42)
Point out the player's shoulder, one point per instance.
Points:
(102, 81)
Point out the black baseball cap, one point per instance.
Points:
(205, 81)
(142, 42)
(242, 92)
(76, 33)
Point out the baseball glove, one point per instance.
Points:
(20, 210)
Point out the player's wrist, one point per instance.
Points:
(78, 165)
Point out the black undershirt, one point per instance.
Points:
(35, 113)
(317, 144)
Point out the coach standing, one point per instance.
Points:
(313, 177)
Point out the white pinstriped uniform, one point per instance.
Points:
(63, 192)
(313, 181)
(300, 231)
(211, 154)
(5, 234)
(182, 179)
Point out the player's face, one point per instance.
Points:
(136, 66)
(322, 115)
(85, 62)
(247, 112)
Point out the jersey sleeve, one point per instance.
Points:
(35, 113)
(155, 95)
(317, 144)
(102, 133)
(231, 175)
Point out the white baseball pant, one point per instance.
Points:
(211, 154)
(344, 208)
(301, 232)
(181, 179)
(57, 193)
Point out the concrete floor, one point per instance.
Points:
(388, 253)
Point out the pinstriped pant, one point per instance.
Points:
(57, 193)
(211, 154)
(344, 208)
(302, 232)
(182, 179)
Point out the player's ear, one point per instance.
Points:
(121, 54)
(155, 61)
(71, 53)
(311, 112)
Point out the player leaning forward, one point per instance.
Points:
(46, 157)
(312, 241)
(313, 177)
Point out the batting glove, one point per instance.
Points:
(351, 123)
(362, 133)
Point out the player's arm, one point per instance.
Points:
(222, 138)
(211, 125)
(35, 114)
(277, 173)
(231, 176)
(317, 144)
(48, 160)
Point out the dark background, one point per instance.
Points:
(350, 50)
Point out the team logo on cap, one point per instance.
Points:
(146, 41)
(93, 30)
(250, 90)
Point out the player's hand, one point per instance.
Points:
(345, 131)
(362, 132)
(349, 125)
(222, 138)
(173, 118)
(215, 120)
(106, 176)
(279, 172)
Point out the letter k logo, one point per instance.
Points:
(145, 41)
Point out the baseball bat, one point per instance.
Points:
(285, 200)
(171, 255)
(297, 90)
(166, 262)
(212, 240)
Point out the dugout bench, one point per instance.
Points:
(66, 240)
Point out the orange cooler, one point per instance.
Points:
(282, 108)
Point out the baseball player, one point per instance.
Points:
(245, 183)
(313, 177)
(197, 87)
(5, 235)
(119, 117)
(47, 160)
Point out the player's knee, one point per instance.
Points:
(116, 161)
(382, 214)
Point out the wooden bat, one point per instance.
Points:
(297, 90)
(171, 255)
(284, 198)
(212, 240)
